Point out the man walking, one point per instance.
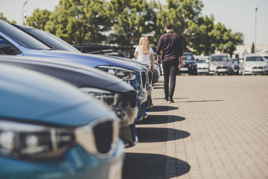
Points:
(172, 51)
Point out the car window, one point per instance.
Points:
(5, 48)
(21, 37)
(220, 59)
(254, 59)
(235, 61)
(52, 40)
(188, 57)
(201, 61)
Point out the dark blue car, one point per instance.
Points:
(50, 129)
(20, 43)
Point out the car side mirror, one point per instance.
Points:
(207, 61)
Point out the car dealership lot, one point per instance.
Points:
(217, 128)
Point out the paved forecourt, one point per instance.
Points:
(217, 128)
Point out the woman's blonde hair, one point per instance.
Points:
(144, 42)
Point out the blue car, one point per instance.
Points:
(22, 44)
(110, 90)
(50, 129)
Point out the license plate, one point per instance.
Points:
(115, 171)
(258, 70)
(221, 70)
(184, 69)
(202, 71)
(235, 70)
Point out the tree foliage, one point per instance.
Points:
(38, 19)
(2, 17)
(123, 22)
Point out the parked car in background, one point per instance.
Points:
(22, 44)
(190, 65)
(236, 64)
(160, 66)
(220, 64)
(202, 64)
(254, 64)
(50, 129)
(118, 95)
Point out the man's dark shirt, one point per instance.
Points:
(171, 43)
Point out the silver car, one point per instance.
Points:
(220, 64)
(254, 64)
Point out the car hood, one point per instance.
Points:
(221, 63)
(30, 96)
(77, 75)
(256, 63)
(84, 59)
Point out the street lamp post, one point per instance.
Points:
(23, 11)
(255, 29)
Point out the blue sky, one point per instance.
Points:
(238, 15)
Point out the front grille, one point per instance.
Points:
(143, 78)
(131, 97)
(221, 67)
(257, 68)
(103, 134)
(202, 68)
(150, 76)
(186, 65)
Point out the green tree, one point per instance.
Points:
(78, 21)
(38, 19)
(130, 19)
(252, 47)
(200, 36)
(224, 37)
(2, 17)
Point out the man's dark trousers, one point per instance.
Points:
(170, 69)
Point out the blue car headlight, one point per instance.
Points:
(37, 141)
(104, 96)
(119, 72)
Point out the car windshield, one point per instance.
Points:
(254, 59)
(21, 37)
(188, 57)
(201, 61)
(220, 59)
(52, 40)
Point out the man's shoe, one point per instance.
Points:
(170, 100)
(166, 99)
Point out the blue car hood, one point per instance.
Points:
(84, 59)
(30, 96)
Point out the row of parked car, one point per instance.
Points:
(65, 114)
(223, 64)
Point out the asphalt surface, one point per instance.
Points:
(217, 128)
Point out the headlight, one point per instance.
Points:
(36, 141)
(122, 73)
(29, 141)
(104, 96)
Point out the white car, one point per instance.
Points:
(202, 64)
(254, 64)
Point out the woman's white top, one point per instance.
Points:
(144, 58)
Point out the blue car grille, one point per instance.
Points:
(131, 97)
(150, 76)
(103, 134)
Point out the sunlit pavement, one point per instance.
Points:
(217, 128)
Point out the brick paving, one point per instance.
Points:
(217, 128)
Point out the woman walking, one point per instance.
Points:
(145, 53)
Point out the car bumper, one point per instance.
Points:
(255, 71)
(202, 71)
(76, 163)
